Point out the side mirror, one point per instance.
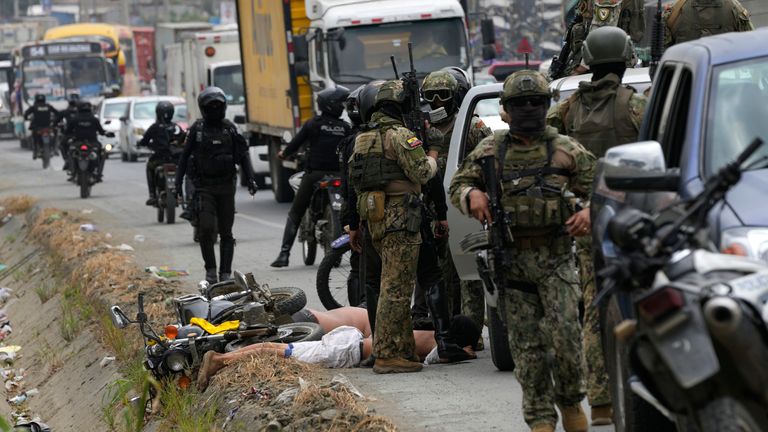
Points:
(301, 68)
(489, 52)
(118, 317)
(239, 119)
(639, 167)
(300, 48)
(488, 31)
(240, 281)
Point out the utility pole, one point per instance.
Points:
(16, 9)
(124, 6)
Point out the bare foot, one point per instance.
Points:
(208, 369)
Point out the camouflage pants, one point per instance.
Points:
(473, 301)
(399, 251)
(541, 323)
(596, 375)
(467, 297)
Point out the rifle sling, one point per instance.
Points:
(546, 170)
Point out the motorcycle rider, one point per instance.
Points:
(217, 148)
(65, 117)
(41, 115)
(159, 138)
(445, 89)
(322, 135)
(84, 127)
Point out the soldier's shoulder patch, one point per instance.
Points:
(413, 142)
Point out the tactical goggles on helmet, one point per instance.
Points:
(443, 95)
(534, 101)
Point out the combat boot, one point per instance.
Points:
(602, 415)
(447, 349)
(289, 235)
(210, 276)
(574, 419)
(395, 365)
(543, 427)
(152, 201)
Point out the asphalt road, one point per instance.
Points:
(469, 396)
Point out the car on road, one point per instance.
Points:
(139, 116)
(709, 101)
(109, 113)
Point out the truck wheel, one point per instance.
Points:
(280, 175)
(727, 415)
(497, 333)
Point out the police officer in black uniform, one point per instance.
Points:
(159, 138)
(85, 127)
(41, 115)
(64, 118)
(322, 134)
(216, 148)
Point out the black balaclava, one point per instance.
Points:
(600, 71)
(527, 119)
(214, 112)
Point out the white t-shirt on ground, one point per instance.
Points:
(340, 348)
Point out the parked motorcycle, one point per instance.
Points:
(178, 352)
(165, 181)
(338, 279)
(698, 340)
(321, 223)
(87, 160)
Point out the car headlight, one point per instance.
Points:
(176, 361)
(108, 147)
(746, 241)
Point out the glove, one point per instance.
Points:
(252, 187)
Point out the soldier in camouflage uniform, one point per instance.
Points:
(387, 169)
(601, 114)
(536, 168)
(628, 15)
(442, 89)
(687, 20)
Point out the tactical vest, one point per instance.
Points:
(531, 188)
(700, 18)
(601, 126)
(369, 169)
(215, 154)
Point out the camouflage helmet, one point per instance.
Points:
(440, 80)
(525, 83)
(391, 91)
(607, 45)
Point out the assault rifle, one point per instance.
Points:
(657, 40)
(560, 62)
(415, 118)
(496, 240)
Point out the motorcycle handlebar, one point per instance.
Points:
(232, 296)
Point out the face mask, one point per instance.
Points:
(527, 119)
(215, 112)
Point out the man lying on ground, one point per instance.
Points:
(343, 346)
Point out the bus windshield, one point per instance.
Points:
(57, 78)
(361, 54)
(230, 79)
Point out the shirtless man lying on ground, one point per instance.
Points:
(347, 341)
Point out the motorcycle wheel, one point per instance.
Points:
(308, 241)
(631, 413)
(288, 300)
(286, 333)
(85, 184)
(727, 415)
(499, 341)
(332, 278)
(170, 207)
(46, 155)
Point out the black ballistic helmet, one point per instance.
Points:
(366, 99)
(85, 107)
(39, 99)
(164, 112)
(212, 103)
(353, 109)
(331, 101)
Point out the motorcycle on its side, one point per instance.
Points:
(87, 159)
(261, 315)
(697, 336)
(321, 223)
